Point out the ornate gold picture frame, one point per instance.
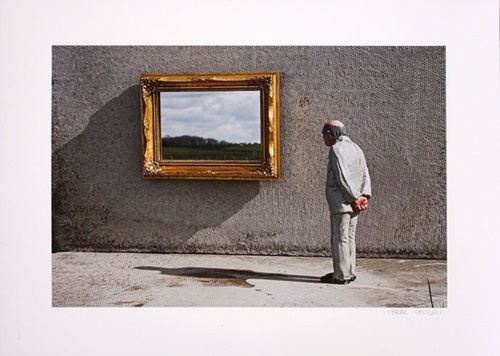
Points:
(211, 126)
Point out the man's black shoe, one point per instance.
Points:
(328, 278)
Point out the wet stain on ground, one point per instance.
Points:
(227, 282)
(221, 277)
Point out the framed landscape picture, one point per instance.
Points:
(211, 126)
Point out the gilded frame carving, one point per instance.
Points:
(267, 167)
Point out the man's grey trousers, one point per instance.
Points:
(343, 231)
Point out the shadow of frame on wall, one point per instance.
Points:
(100, 201)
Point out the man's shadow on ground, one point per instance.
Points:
(231, 276)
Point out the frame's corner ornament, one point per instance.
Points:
(151, 167)
(265, 169)
(265, 83)
(148, 86)
(256, 160)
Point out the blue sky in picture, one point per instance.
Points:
(233, 116)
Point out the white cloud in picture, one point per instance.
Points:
(232, 116)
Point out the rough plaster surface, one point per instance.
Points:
(392, 100)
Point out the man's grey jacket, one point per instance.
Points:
(347, 177)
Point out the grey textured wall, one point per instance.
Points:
(391, 99)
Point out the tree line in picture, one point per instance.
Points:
(201, 148)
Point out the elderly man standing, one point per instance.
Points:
(348, 189)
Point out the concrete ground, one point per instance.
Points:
(87, 279)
